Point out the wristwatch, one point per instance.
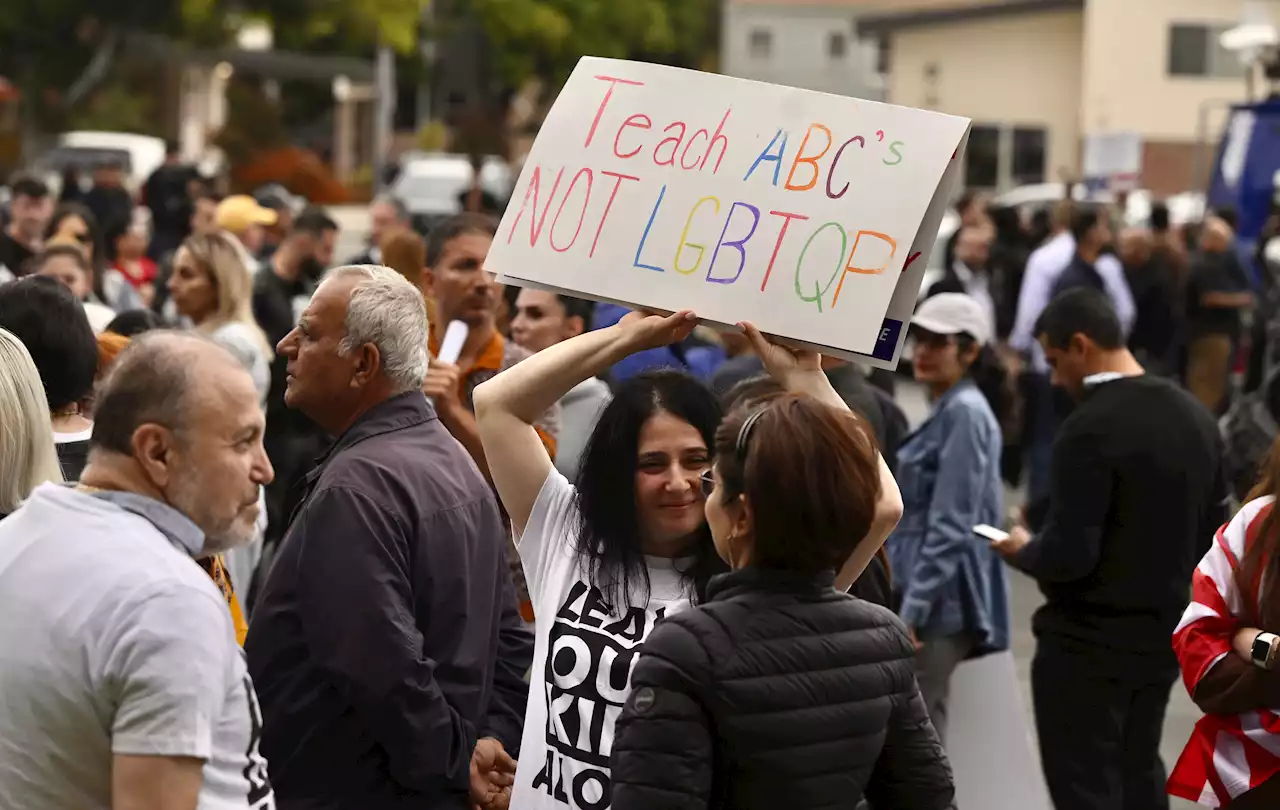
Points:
(1263, 651)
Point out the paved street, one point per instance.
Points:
(1026, 598)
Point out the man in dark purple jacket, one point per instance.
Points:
(387, 648)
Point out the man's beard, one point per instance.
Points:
(310, 268)
(220, 533)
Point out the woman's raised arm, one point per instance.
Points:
(800, 371)
(507, 405)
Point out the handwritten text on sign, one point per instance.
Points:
(670, 188)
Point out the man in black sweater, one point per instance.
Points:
(1136, 492)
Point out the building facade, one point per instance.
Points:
(812, 44)
(1039, 76)
(1178, 81)
(1016, 75)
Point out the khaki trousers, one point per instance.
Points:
(1208, 367)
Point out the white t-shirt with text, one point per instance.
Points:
(114, 641)
(583, 656)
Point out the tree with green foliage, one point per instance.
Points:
(59, 51)
(343, 25)
(545, 38)
(537, 43)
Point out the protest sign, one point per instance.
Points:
(672, 189)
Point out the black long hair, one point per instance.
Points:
(609, 537)
(990, 375)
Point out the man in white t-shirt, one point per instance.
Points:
(123, 684)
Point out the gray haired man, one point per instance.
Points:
(123, 684)
(387, 645)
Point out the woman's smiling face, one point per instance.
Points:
(671, 457)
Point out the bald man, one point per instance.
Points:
(124, 684)
(1218, 291)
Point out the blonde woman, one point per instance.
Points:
(27, 455)
(213, 287)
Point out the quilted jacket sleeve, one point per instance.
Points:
(913, 772)
(663, 742)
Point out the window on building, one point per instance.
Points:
(1196, 50)
(1222, 62)
(982, 160)
(836, 45)
(883, 51)
(761, 43)
(1029, 148)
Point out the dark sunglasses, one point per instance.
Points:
(933, 340)
(708, 481)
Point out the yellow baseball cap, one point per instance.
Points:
(239, 212)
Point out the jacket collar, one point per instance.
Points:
(397, 413)
(175, 526)
(1095, 381)
(751, 578)
(940, 404)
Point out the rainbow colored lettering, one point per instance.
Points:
(554, 208)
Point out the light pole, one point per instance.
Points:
(427, 49)
(385, 112)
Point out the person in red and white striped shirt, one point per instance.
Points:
(1231, 664)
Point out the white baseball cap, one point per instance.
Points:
(953, 314)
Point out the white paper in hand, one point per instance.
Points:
(451, 346)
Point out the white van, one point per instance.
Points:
(431, 185)
(138, 155)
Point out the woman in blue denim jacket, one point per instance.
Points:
(954, 590)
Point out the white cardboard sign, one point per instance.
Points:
(1114, 157)
(673, 189)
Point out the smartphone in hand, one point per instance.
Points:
(990, 532)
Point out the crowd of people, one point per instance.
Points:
(603, 558)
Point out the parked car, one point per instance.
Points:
(273, 195)
(431, 184)
(138, 155)
(1183, 208)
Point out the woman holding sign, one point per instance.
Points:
(606, 559)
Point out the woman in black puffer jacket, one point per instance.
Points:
(778, 691)
(875, 583)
